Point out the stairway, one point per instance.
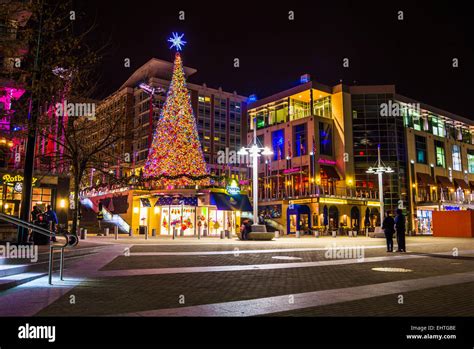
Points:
(89, 219)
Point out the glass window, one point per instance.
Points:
(300, 143)
(325, 139)
(440, 156)
(278, 144)
(420, 146)
(457, 166)
(470, 160)
(438, 126)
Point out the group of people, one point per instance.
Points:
(49, 217)
(245, 229)
(396, 225)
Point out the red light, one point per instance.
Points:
(361, 153)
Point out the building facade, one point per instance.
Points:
(324, 139)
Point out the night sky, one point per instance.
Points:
(415, 54)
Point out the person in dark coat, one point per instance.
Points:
(400, 226)
(388, 227)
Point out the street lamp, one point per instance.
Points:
(380, 169)
(255, 150)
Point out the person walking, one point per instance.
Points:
(52, 220)
(400, 227)
(388, 227)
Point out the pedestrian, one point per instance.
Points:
(51, 218)
(246, 229)
(400, 227)
(388, 227)
(35, 214)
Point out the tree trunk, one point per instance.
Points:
(75, 214)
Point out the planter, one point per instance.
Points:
(334, 233)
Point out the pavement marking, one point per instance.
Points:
(238, 251)
(269, 305)
(269, 266)
(224, 268)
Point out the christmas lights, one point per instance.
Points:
(175, 157)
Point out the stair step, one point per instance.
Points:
(12, 269)
(11, 281)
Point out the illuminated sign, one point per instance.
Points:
(233, 188)
(327, 162)
(9, 179)
(291, 170)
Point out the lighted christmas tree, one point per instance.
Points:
(175, 157)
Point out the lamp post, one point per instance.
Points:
(380, 169)
(255, 150)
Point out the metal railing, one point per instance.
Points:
(62, 241)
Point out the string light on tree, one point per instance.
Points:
(176, 156)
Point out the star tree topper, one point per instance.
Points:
(177, 41)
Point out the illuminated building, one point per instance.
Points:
(324, 140)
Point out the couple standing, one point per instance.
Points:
(391, 225)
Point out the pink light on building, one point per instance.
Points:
(7, 96)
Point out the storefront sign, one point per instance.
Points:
(301, 202)
(9, 179)
(327, 162)
(233, 188)
(291, 170)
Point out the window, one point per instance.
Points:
(420, 146)
(325, 139)
(278, 144)
(438, 126)
(300, 144)
(470, 160)
(457, 166)
(440, 156)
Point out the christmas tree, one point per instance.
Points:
(175, 157)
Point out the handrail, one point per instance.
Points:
(71, 240)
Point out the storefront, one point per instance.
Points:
(47, 190)
(208, 213)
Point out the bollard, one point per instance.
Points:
(229, 234)
(116, 232)
(174, 233)
(222, 234)
(130, 232)
(298, 234)
(199, 233)
(153, 232)
(81, 233)
(106, 231)
(146, 232)
(85, 234)
(277, 234)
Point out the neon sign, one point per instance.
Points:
(327, 162)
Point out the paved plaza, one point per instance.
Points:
(287, 277)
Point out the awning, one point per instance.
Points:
(330, 172)
(176, 201)
(444, 182)
(425, 179)
(461, 183)
(226, 202)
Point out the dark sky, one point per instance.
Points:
(415, 54)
